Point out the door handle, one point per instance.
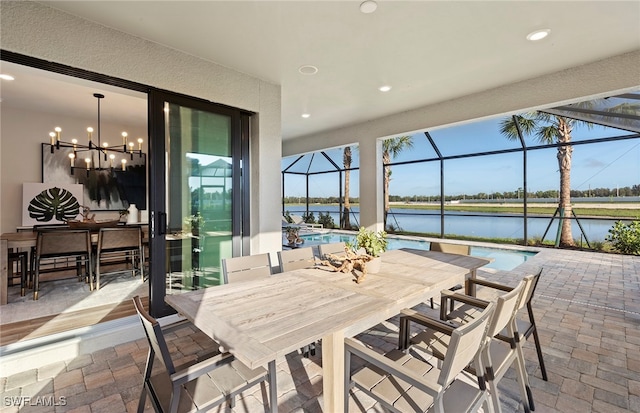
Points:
(158, 223)
(162, 224)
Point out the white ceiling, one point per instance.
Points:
(428, 51)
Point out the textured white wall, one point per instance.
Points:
(39, 31)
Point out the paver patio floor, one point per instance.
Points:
(587, 306)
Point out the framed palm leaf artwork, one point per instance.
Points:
(50, 203)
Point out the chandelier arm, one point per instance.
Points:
(97, 149)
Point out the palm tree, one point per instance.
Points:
(390, 149)
(550, 129)
(346, 160)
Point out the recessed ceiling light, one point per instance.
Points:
(384, 88)
(308, 70)
(538, 34)
(368, 6)
(6, 77)
(305, 115)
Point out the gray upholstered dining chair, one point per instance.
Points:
(336, 248)
(20, 259)
(449, 249)
(526, 327)
(119, 245)
(404, 383)
(295, 259)
(497, 357)
(246, 268)
(197, 385)
(63, 243)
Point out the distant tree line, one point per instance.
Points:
(517, 194)
(316, 200)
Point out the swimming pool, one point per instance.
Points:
(503, 259)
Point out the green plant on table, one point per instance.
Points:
(194, 222)
(374, 243)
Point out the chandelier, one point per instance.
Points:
(97, 156)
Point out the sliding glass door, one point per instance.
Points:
(197, 193)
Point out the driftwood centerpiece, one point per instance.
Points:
(89, 222)
(349, 263)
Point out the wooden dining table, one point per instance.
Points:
(259, 321)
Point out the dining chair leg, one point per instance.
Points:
(36, 279)
(305, 351)
(32, 265)
(89, 268)
(523, 377)
(536, 341)
(143, 398)
(97, 273)
(454, 288)
(491, 382)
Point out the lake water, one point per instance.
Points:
(503, 259)
(480, 225)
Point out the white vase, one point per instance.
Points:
(373, 266)
(132, 218)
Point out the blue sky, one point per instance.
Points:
(610, 165)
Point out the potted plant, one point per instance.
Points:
(293, 235)
(194, 222)
(374, 244)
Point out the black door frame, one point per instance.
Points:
(157, 173)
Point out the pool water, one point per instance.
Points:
(503, 259)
